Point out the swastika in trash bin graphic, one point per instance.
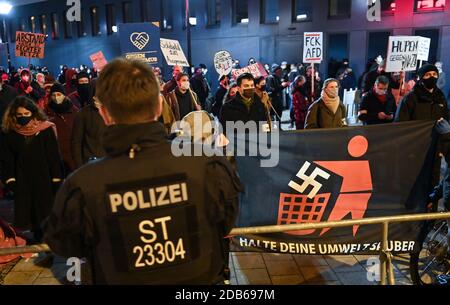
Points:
(307, 204)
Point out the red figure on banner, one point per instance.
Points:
(356, 188)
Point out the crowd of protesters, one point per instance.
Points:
(51, 124)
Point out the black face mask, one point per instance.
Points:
(263, 88)
(249, 93)
(64, 107)
(84, 92)
(24, 120)
(430, 83)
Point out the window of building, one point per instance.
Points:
(127, 12)
(213, 10)
(55, 26)
(95, 22)
(339, 9)
(166, 15)
(68, 30)
(270, 11)
(433, 34)
(145, 10)
(110, 19)
(387, 6)
(378, 42)
(43, 24)
(428, 5)
(192, 14)
(33, 24)
(80, 25)
(337, 52)
(302, 10)
(12, 29)
(2, 33)
(240, 12)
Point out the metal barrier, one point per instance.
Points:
(386, 268)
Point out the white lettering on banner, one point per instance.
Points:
(161, 252)
(324, 248)
(309, 180)
(153, 197)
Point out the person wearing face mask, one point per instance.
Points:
(300, 102)
(182, 100)
(246, 105)
(200, 86)
(224, 85)
(328, 111)
(83, 95)
(370, 78)
(24, 87)
(275, 88)
(62, 112)
(261, 92)
(31, 163)
(378, 106)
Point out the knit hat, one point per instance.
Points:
(57, 87)
(425, 69)
(82, 74)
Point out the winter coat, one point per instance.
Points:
(319, 116)
(373, 106)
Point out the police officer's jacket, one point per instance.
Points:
(142, 215)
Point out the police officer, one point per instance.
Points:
(141, 215)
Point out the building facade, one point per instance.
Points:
(268, 30)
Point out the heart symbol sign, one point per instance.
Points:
(139, 40)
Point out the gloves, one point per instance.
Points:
(442, 127)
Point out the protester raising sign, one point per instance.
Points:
(223, 62)
(402, 53)
(98, 60)
(173, 53)
(313, 47)
(257, 70)
(30, 45)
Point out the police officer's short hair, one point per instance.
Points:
(382, 80)
(243, 76)
(129, 90)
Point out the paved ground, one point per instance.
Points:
(247, 269)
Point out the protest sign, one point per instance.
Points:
(30, 45)
(140, 41)
(423, 51)
(223, 62)
(173, 53)
(402, 53)
(98, 60)
(257, 70)
(313, 47)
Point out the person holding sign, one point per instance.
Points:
(328, 111)
(142, 215)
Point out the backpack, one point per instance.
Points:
(9, 239)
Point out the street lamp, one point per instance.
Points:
(5, 9)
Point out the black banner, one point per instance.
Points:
(337, 174)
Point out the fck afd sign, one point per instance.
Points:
(313, 47)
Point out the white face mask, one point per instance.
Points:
(332, 93)
(60, 99)
(185, 85)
